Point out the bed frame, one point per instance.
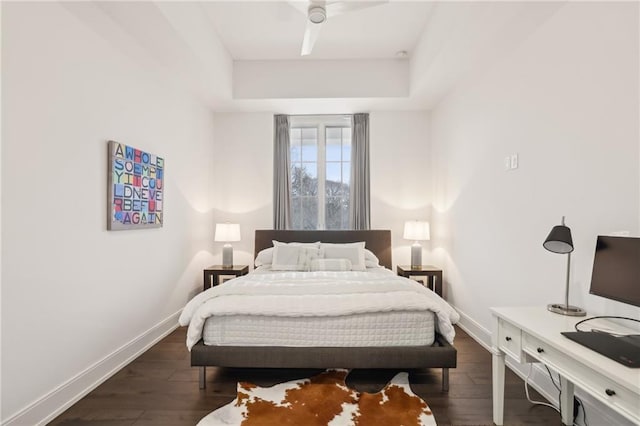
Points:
(439, 355)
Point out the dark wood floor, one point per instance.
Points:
(160, 388)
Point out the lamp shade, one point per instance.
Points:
(416, 230)
(227, 232)
(559, 240)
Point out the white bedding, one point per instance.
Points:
(315, 294)
(400, 328)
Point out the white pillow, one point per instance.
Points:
(265, 257)
(306, 256)
(370, 259)
(330, 265)
(356, 244)
(293, 256)
(313, 245)
(352, 251)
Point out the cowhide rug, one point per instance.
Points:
(323, 400)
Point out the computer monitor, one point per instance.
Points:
(616, 269)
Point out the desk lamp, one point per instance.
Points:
(560, 241)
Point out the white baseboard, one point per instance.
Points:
(597, 413)
(474, 329)
(52, 404)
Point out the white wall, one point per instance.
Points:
(566, 100)
(243, 174)
(567, 103)
(400, 175)
(73, 293)
(384, 78)
(243, 177)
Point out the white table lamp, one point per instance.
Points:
(417, 231)
(227, 233)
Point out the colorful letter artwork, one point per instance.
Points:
(136, 183)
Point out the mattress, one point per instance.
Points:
(395, 328)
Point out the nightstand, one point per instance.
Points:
(212, 274)
(433, 275)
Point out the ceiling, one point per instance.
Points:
(270, 30)
(202, 45)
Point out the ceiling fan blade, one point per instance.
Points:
(340, 7)
(300, 6)
(303, 6)
(310, 36)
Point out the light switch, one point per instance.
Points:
(507, 163)
(514, 161)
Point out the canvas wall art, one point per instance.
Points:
(136, 188)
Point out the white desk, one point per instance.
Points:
(533, 335)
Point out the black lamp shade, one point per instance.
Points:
(559, 240)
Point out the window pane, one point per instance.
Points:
(334, 144)
(334, 133)
(335, 216)
(344, 214)
(296, 171)
(296, 212)
(334, 172)
(346, 174)
(346, 134)
(334, 149)
(309, 213)
(295, 151)
(309, 179)
(332, 212)
(304, 179)
(334, 189)
(295, 134)
(310, 133)
(346, 151)
(294, 143)
(309, 150)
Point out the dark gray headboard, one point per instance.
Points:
(376, 240)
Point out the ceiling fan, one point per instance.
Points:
(317, 13)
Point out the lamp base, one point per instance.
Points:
(227, 256)
(416, 256)
(572, 311)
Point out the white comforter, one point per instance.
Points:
(295, 294)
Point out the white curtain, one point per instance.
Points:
(281, 173)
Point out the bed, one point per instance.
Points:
(439, 354)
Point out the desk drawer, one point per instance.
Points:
(598, 385)
(509, 340)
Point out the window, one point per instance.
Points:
(320, 172)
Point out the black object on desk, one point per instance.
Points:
(625, 350)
